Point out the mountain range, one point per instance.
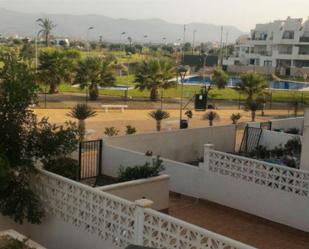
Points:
(76, 26)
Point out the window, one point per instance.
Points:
(288, 35)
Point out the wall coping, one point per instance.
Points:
(134, 183)
(18, 236)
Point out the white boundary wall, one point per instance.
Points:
(270, 191)
(182, 145)
(82, 217)
(272, 139)
(288, 123)
(155, 189)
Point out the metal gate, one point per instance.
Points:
(90, 159)
(251, 139)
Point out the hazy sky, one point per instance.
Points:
(241, 13)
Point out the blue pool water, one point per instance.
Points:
(233, 82)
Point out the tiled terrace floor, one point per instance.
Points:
(237, 225)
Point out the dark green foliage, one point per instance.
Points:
(53, 141)
(56, 66)
(24, 141)
(140, 172)
(261, 152)
(93, 72)
(289, 154)
(111, 131)
(252, 84)
(18, 201)
(294, 131)
(64, 166)
(82, 112)
(130, 130)
(154, 74)
(293, 146)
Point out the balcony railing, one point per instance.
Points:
(120, 221)
(258, 172)
(304, 39)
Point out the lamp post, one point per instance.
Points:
(37, 63)
(120, 40)
(181, 72)
(193, 42)
(88, 43)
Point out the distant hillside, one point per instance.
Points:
(75, 26)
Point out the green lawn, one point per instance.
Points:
(189, 91)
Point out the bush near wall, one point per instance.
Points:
(141, 171)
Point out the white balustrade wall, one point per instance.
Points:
(267, 190)
(80, 217)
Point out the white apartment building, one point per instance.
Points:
(280, 45)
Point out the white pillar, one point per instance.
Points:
(207, 149)
(304, 162)
(139, 219)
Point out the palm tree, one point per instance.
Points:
(252, 84)
(81, 112)
(253, 106)
(219, 79)
(154, 74)
(211, 116)
(159, 115)
(130, 41)
(93, 72)
(47, 26)
(55, 66)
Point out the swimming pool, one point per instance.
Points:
(234, 81)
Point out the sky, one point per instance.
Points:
(243, 14)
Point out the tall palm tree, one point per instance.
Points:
(81, 112)
(93, 72)
(47, 26)
(211, 116)
(159, 115)
(252, 84)
(154, 74)
(55, 66)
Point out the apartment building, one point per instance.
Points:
(281, 45)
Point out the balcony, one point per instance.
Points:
(304, 39)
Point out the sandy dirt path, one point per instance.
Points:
(143, 123)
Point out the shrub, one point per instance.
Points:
(294, 131)
(111, 131)
(64, 166)
(130, 130)
(189, 114)
(211, 116)
(293, 146)
(140, 172)
(235, 117)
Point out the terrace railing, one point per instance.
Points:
(120, 221)
(258, 172)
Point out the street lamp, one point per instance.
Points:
(181, 72)
(193, 42)
(120, 39)
(90, 28)
(36, 64)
